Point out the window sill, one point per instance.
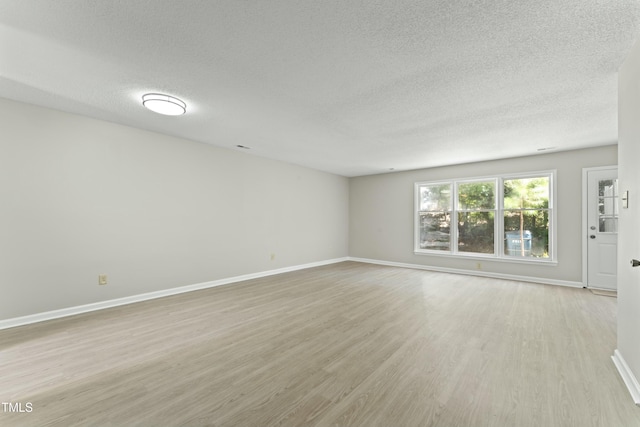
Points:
(530, 261)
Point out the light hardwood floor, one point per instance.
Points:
(345, 344)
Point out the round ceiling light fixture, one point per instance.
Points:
(164, 104)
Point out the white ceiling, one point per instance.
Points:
(348, 87)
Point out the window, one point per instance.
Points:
(476, 211)
(465, 217)
(435, 217)
(526, 217)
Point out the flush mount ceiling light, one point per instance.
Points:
(164, 104)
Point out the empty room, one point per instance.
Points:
(297, 213)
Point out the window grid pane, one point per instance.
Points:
(526, 233)
(479, 195)
(435, 197)
(476, 232)
(435, 231)
(526, 193)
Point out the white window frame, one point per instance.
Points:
(499, 233)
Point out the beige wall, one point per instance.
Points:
(629, 236)
(381, 213)
(81, 197)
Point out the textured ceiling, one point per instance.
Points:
(349, 87)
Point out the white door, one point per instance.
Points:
(602, 228)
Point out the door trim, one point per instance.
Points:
(584, 228)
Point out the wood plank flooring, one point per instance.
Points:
(345, 344)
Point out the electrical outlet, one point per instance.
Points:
(102, 279)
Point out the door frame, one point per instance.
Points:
(584, 229)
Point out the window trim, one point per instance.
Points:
(499, 251)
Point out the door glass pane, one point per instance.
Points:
(435, 231)
(608, 205)
(607, 187)
(608, 225)
(476, 232)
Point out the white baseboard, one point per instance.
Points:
(472, 272)
(55, 314)
(627, 376)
